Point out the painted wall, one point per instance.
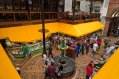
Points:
(85, 6)
(68, 5)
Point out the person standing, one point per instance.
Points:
(95, 46)
(52, 71)
(76, 50)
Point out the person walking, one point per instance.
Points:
(79, 45)
(50, 61)
(99, 41)
(106, 42)
(25, 50)
(87, 47)
(50, 51)
(60, 70)
(82, 48)
(44, 58)
(89, 71)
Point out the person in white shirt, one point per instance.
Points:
(44, 58)
(95, 46)
(50, 60)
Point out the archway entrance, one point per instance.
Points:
(114, 24)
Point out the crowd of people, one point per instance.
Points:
(50, 69)
(84, 45)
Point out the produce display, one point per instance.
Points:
(16, 48)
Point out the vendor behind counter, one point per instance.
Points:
(25, 49)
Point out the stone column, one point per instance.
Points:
(107, 22)
(68, 5)
(103, 12)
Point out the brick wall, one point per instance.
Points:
(113, 6)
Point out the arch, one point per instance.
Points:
(114, 12)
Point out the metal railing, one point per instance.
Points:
(78, 15)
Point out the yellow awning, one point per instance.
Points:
(86, 28)
(31, 33)
(111, 68)
(7, 70)
(67, 29)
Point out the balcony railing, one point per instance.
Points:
(78, 15)
(68, 17)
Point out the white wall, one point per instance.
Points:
(104, 10)
(68, 5)
(85, 5)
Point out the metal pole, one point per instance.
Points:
(43, 24)
(74, 5)
(91, 7)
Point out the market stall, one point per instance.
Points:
(30, 33)
(16, 49)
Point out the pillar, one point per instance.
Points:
(68, 5)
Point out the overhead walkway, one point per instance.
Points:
(111, 68)
(7, 70)
(31, 33)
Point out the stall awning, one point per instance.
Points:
(111, 68)
(67, 29)
(86, 28)
(7, 70)
(31, 33)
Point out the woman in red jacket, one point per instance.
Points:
(99, 41)
(89, 71)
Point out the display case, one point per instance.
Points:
(16, 49)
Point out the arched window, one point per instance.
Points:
(116, 13)
(114, 24)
